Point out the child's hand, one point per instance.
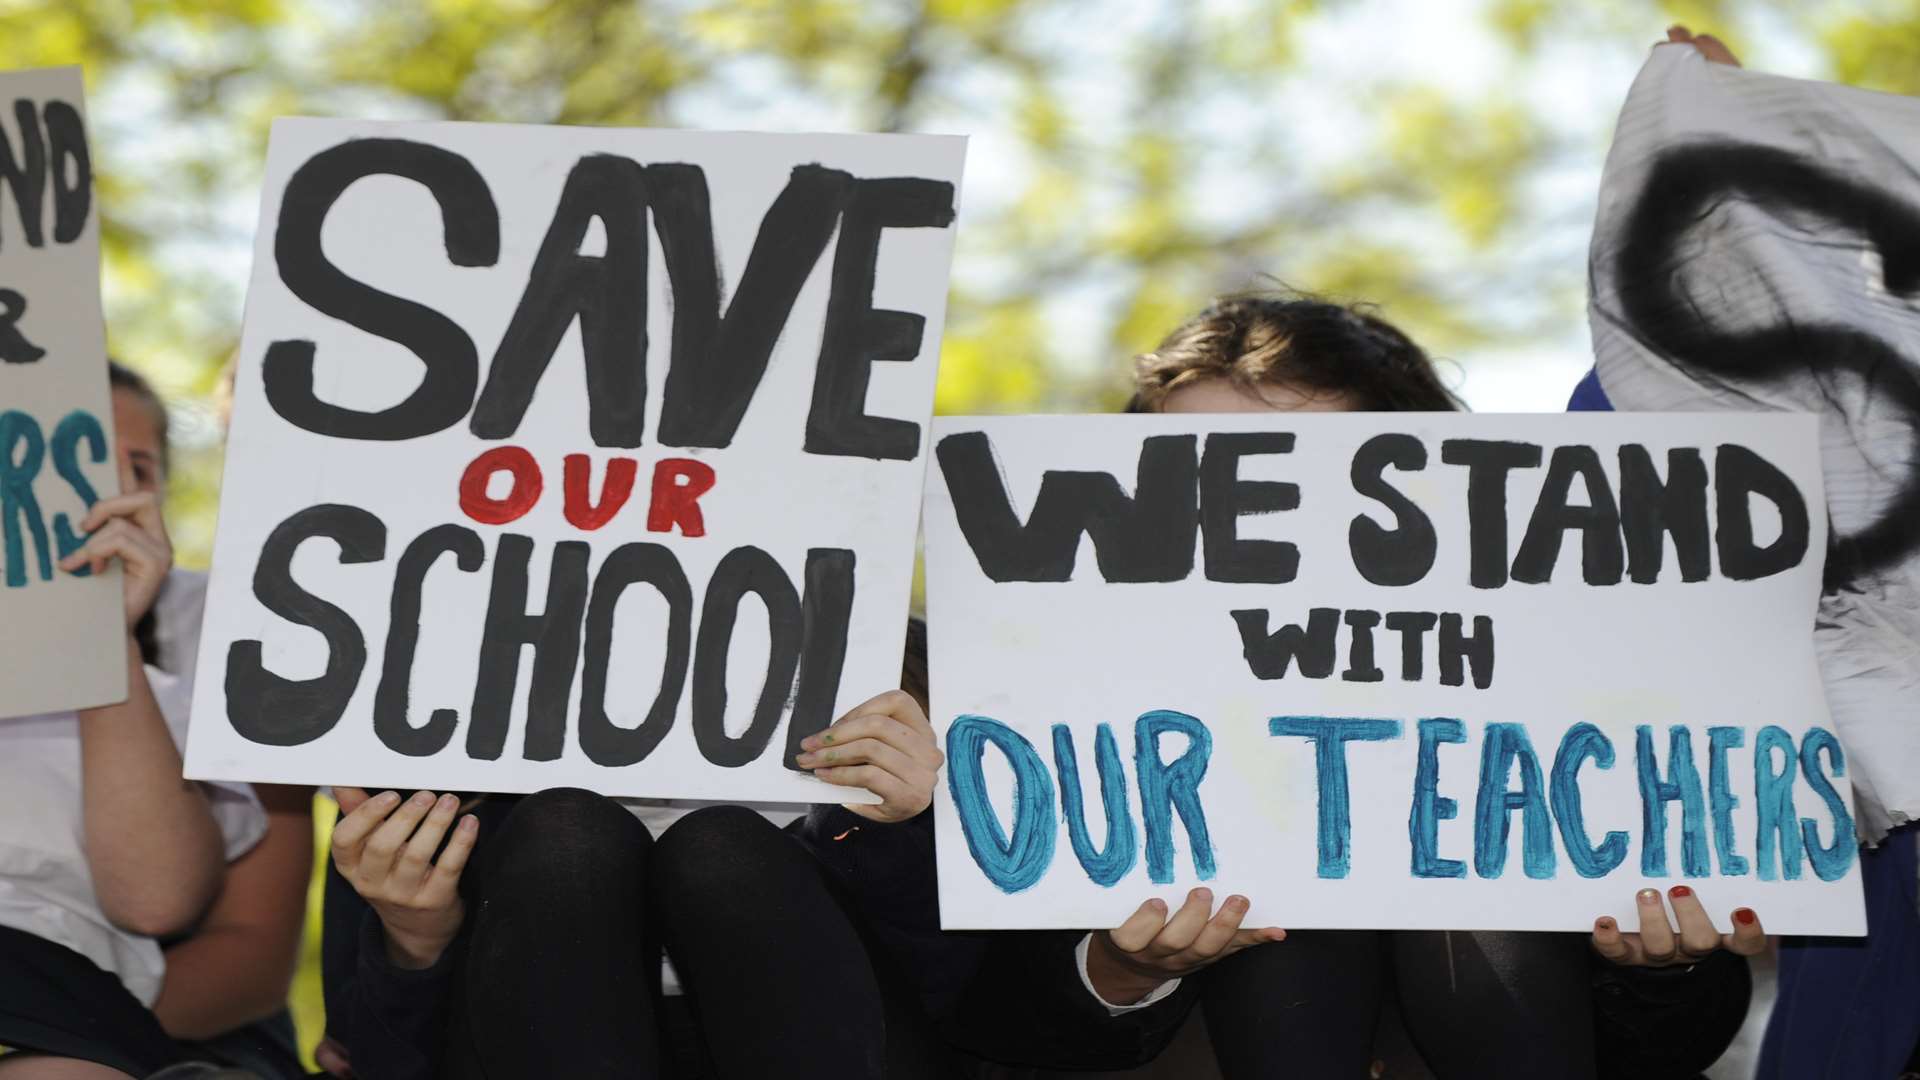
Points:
(385, 851)
(1658, 945)
(886, 746)
(1130, 962)
(128, 528)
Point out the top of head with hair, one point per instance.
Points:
(1298, 341)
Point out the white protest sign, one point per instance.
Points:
(1383, 670)
(1755, 249)
(569, 456)
(61, 646)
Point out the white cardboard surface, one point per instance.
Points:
(1082, 652)
(387, 231)
(61, 646)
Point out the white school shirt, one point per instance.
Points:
(46, 887)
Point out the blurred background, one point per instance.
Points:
(1127, 159)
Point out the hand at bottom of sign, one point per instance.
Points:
(1149, 949)
(385, 849)
(1658, 944)
(885, 745)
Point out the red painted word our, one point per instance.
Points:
(673, 503)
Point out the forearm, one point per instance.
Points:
(221, 979)
(391, 1020)
(152, 845)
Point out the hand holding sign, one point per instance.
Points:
(387, 855)
(885, 745)
(128, 528)
(1149, 949)
(1658, 945)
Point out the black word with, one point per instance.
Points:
(1311, 650)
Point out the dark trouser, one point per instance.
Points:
(56, 1002)
(1478, 1006)
(569, 903)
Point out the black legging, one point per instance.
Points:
(1478, 1006)
(560, 970)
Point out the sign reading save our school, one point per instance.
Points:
(57, 647)
(1383, 670)
(572, 456)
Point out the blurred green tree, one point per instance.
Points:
(1128, 159)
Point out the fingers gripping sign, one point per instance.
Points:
(885, 745)
(128, 528)
(385, 849)
(1660, 943)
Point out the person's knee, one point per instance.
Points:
(720, 854)
(564, 831)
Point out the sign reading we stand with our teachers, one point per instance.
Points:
(1389, 670)
(570, 456)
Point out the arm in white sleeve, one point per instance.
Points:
(1159, 994)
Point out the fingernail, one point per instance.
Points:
(469, 823)
(1238, 903)
(1745, 916)
(1648, 896)
(810, 742)
(387, 797)
(1604, 923)
(1679, 892)
(448, 801)
(804, 760)
(1204, 894)
(422, 798)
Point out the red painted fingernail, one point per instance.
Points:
(1679, 891)
(1744, 916)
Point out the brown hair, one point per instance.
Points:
(121, 377)
(1255, 339)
